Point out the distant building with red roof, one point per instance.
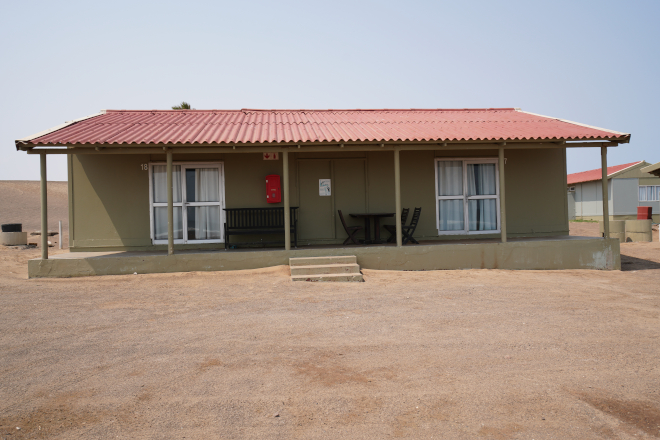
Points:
(628, 187)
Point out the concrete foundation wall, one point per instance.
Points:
(109, 194)
(533, 254)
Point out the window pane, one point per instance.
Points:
(657, 193)
(160, 223)
(481, 179)
(202, 185)
(450, 178)
(451, 215)
(642, 193)
(482, 214)
(203, 222)
(649, 193)
(160, 183)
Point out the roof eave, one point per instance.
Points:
(500, 142)
(27, 139)
(652, 169)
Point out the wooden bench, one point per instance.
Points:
(253, 221)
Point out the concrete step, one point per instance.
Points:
(329, 277)
(315, 261)
(323, 269)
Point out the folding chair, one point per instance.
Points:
(409, 230)
(392, 228)
(350, 230)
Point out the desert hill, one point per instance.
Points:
(20, 202)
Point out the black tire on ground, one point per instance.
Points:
(12, 227)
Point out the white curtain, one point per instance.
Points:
(481, 179)
(450, 178)
(451, 215)
(160, 196)
(450, 183)
(160, 223)
(160, 183)
(482, 214)
(207, 218)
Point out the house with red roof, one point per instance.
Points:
(628, 186)
(405, 189)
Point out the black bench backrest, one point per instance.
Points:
(257, 218)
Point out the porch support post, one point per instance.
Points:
(502, 196)
(44, 209)
(287, 210)
(170, 206)
(606, 210)
(397, 197)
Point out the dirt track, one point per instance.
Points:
(442, 354)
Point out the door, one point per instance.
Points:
(315, 218)
(318, 218)
(203, 203)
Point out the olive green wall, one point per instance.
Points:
(109, 200)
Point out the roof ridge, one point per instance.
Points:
(316, 110)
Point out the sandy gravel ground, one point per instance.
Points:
(468, 354)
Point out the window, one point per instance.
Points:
(649, 193)
(468, 196)
(198, 195)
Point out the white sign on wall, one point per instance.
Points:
(324, 187)
(271, 156)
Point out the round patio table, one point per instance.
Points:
(376, 216)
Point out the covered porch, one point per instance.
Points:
(549, 253)
(522, 227)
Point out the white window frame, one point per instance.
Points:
(465, 197)
(183, 204)
(656, 193)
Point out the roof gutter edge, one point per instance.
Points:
(27, 139)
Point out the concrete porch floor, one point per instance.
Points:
(544, 253)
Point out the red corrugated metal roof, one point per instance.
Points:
(591, 175)
(200, 127)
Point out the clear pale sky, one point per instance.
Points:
(595, 62)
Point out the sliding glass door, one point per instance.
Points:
(202, 202)
(198, 202)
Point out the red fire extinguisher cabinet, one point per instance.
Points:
(273, 190)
